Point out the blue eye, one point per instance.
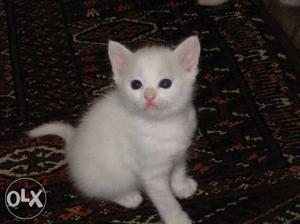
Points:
(136, 84)
(165, 83)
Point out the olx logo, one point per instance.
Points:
(25, 198)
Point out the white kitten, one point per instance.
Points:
(136, 138)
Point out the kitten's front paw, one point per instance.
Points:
(179, 219)
(185, 189)
(131, 200)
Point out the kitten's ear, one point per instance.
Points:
(118, 56)
(188, 53)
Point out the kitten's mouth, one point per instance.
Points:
(150, 105)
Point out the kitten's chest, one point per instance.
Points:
(167, 136)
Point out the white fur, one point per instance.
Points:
(122, 148)
(211, 2)
(63, 130)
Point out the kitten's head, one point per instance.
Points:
(156, 80)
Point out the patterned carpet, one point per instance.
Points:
(245, 155)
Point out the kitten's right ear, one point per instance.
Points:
(118, 56)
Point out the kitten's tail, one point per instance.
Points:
(211, 2)
(63, 130)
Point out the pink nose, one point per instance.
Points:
(149, 94)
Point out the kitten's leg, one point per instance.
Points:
(161, 195)
(182, 185)
(129, 200)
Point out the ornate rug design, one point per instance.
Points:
(245, 154)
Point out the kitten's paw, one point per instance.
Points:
(130, 200)
(185, 189)
(179, 219)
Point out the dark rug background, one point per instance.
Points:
(245, 155)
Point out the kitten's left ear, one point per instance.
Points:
(188, 53)
(118, 56)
